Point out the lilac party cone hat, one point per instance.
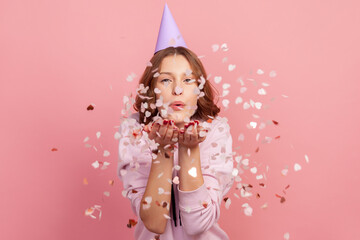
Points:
(169, 34)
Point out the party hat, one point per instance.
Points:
(169, 34)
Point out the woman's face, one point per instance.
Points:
(174, 85)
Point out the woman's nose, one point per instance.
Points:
(177, 90)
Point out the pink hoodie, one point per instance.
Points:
(193, 220)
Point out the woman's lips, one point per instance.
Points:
(177, 107)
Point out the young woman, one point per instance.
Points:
(175, 152)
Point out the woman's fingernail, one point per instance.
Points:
(165, 121)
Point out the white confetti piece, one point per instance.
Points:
(297, 167)
(286, 236)
(177, 167)
(284, 172)
(192, 172)
(157, 91)
(225, 93)
(159, 176)
(156, 74)
(147, 114)
(231, 67)
(167, 216)
(272, 74)
(178, 90)
(105, 165)
(262, 91)
(95, 164)
(253, 124)
(188, 209)
(245, 162)
(176, 180)
(215, 47)
(197, 91)
(238, 100)
(227, 203)
(246, 105)
(160, 191)
(123, 172)
(225, 102)
(130, 77)
(98, 134)
(244, 193)
(149, 64)
(224, 47)
(253, 170)
(107, 194)
(243, 89)
(91, 210)
(148, 199)
(306, 158)
(188, 72)
(265, 205)
(86, 139)
(226, 85)
(117, 136)
(241, 137)
(124, 193)
(260, 71)
(248, 211)
(258, 105)
(258, 177)
(106, 153)
(217, 79)
(224, 59)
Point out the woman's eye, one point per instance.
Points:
(189, 80)
(165, 80)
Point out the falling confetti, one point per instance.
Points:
(192, 172)
(131, 223)
(297, 167)
(90, 107)
(91, 210)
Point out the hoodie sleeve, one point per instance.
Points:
(200, 208)
(133, 163)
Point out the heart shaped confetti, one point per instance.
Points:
(217, 79)
(215, 47)
(231, 67)
(297, 167)
(192, 172)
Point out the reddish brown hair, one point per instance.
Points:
(205, 105)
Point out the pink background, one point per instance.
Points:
(57, 57)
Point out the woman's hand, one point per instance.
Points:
(192, 135)
(163, 131)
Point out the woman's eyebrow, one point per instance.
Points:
(170, 73)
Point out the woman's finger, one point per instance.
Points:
(175, 136)
(163, 128)
(187, 134)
